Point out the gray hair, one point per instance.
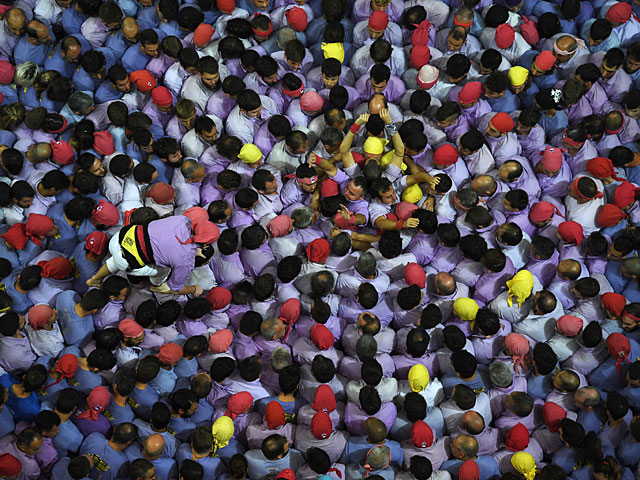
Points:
(367, 264)
(366, 347)
(378, 458)
(331, 136)
(26, 74)
(268, 328)
(280, 358)
(284, 35)
(189, 168)
(80, 102)
(500, 375)
(302, 217)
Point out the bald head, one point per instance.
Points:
(473, 422)
(39, 152)
(566, 381)
(444, 284)
(465, 447)
(569, 269)
(130, 29)
(38, 32)
(565, 43)
(484, 185)
(153, 446)
(16, 21)
(631, 267)
(376, 430)
(377, 103)
(587, 398)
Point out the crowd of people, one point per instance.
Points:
(332, 239)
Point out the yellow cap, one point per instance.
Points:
(386, 160)
(520, 286)
(374, 145)
(518, 76)
(412, 194)
(525, 464)
(222, 431)
(333, 50)
(249, 153)
(418, 377)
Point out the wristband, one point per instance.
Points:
(391, 129)
(399, 224)
(355, 128)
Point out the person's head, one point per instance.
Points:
(275, 447)
(191, 470)
(141, 469)
(464, 447)
(29, 441)
(124, 434)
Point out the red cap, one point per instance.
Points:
(162, 97)
(218, 297)
(469, 470)
(220, 341)
(324, 400)
(329, 188)
(445, 155)
(404, 210)
(505, 35)
(62, 152)
(625, 194)
(103, 143)
(614, 303)
(202, 35)
(420, 56)
(286, 474)
(96, 242)
(470, 92)
(571, 232)
(161, 193)
(105, 213)
(541, 211)
(545, 60)
(322, 337)
(569, 325)
(502, 122)
(321, 425)
(553, 414)
(274, 415)
(318, 250)
(7, 72)
(619, 13)
(10, 466)
(297, 18)
(170, 353)
(421, 434)
(378, 20)
(57, 268)
(143, 80)
(601, 167)
(609, 215)
(552, 158)
(39, 315)
(130, 328)
(226, 6)
(517, 438)
(414, 274)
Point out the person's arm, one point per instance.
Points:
(96, 280)
(422, 177)
(324, 165)
(384, 223)
(345, 146)
(392, 130)
(412, 166)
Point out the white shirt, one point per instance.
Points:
(45, 342)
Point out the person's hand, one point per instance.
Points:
(362, 119)
(344, 211)
(198, 290)
(410, 223)
(385, 116)
(312, 159)
(429, 203)
(334, 232)
(432, 181)
(93, 282)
